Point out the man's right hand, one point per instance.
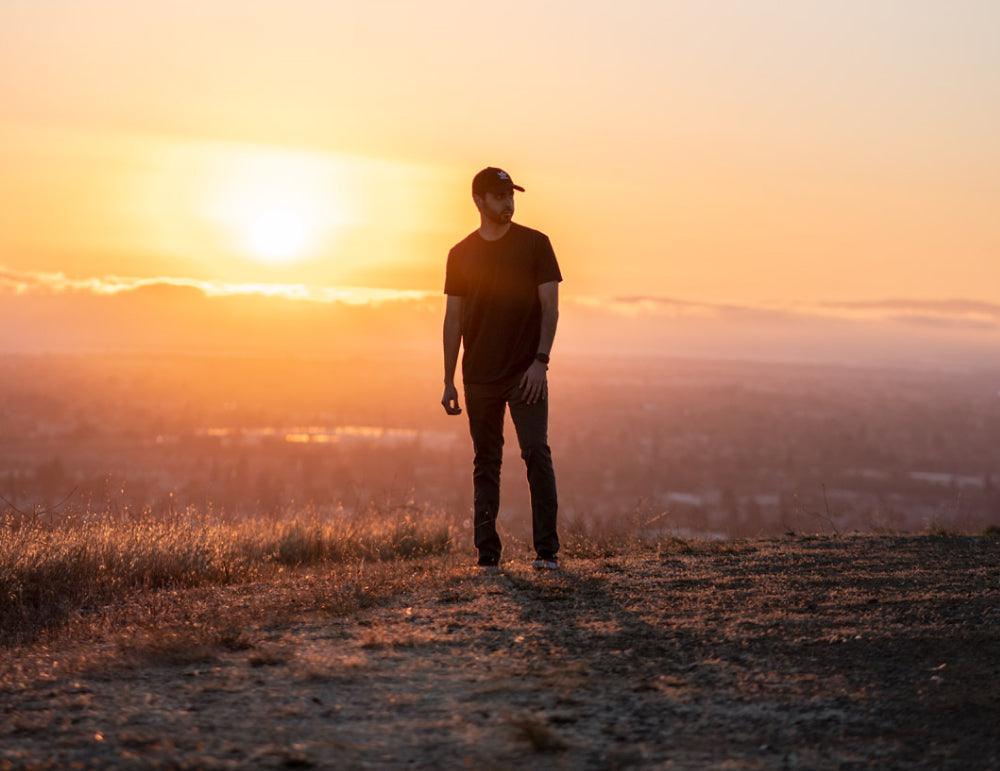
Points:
(450, 400)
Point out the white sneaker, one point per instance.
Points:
(545, 564)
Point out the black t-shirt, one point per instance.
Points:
(501, 314)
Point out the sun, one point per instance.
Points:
(279, 236)
(276, 207)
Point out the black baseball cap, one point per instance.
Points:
(492, 180)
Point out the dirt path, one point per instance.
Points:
(862, 652)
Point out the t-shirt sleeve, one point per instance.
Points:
(454, 281)
(547, 269)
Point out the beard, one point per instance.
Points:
(501, 217)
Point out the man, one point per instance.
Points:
(502, 283)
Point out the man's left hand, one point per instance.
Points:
(535, 383)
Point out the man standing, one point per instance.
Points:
(502, 283)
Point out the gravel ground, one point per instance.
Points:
(795, 653)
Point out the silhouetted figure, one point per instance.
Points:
(502, 284)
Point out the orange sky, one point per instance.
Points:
(837, 160)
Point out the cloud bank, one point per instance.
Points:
(42, 312)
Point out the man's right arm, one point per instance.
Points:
(452, 342)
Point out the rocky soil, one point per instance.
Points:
(795, 653)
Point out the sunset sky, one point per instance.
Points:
(817, 174)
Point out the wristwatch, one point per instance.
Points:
(542, 357)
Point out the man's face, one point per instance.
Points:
(498, 206)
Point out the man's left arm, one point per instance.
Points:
(534, 383)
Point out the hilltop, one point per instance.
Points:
(806, 652)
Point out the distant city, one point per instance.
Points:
(715, 449)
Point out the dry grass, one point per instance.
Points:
(103, 573)
(53, 572)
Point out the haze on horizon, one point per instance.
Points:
(816, 176)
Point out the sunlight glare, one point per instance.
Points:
(278, 207)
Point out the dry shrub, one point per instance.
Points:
(637, 532)
(703, 546)
(600, 538)
(270, 657)
(537, 733)
(169, 646)
(370, 534)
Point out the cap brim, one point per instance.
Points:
(499, 189)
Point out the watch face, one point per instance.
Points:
(542, 357)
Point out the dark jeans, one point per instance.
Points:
(486, 405)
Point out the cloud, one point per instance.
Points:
(955, 313)
(635, 306)
(26, 283)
